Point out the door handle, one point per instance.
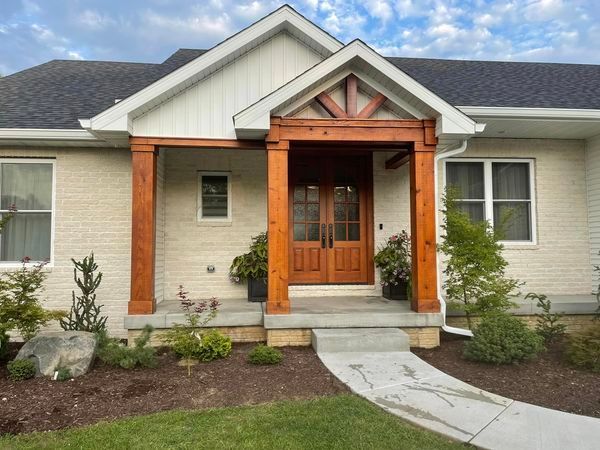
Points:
(330, 236)
(323, 236)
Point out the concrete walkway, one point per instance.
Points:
(408, 387)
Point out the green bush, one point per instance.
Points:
(548, 323)
(503, 339)
(215, 345)
(4, 338)
(63, 374)
(114, 353)
(583, 349)
(263, 354)
(21, 369)
(20, 306)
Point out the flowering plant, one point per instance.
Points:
(394, 259)
(187, 340)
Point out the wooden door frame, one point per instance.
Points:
(337, 152)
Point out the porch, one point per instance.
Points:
(248, 321)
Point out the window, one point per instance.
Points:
(500, 191)
(214, 197)
(27, 185)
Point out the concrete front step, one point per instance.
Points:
(333, 340)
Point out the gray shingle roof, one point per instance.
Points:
(507, 84)
(58, 93)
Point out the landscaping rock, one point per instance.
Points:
(73, 350)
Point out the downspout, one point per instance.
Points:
(438, 157)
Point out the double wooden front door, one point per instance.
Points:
(328, 226)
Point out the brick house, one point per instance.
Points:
(166, 170)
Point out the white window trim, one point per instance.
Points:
(214, 220)
(488, 193)
(50, 263)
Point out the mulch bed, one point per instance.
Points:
(107, 393)
(546, 381)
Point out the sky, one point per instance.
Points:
(35, 31)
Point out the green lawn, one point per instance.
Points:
(329, 423)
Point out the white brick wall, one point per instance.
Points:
(560, 262)
(592, 153)
(93, 212)
(191, 246)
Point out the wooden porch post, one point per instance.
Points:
(423, 232)
(277, 216)
(143, 224)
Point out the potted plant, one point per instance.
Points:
(252, 267)
(394, 260)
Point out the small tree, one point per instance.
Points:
(20, 307)
(548, 323)
(85, 314)
(475, 270)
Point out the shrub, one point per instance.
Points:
(85, 314)
(583, 349)
(475, 279)
(114, 353)
(63, 374)
(548, 325)
(215, 345)
(503, 339)
(253, 264)
(186, 339)
(20, 306)
(263, 354)
(4, 338)
(21, 369)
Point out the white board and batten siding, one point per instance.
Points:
(205, 110)
(592, 165)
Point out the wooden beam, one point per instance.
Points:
(330, 105)
(372, 106)
(143, 228)
(277, 218)
(398, 160)
(423, 233)
(351, 95)
(201, 143)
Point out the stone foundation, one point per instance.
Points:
(237, 334)
(574, 322)
(425, 337)
(289, 337)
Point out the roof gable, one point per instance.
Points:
(371, 68)
(117, 119)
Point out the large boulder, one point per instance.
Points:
(73, 350)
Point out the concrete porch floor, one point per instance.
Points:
(306, 312)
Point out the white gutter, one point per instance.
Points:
(45, 134)
(438, 157)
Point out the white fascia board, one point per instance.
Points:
(116, 117)
(41, 134)
(452, 120)
(531, 113)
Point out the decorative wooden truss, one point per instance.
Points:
(351, 112)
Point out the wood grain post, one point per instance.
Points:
(143, 228)
(278, 301)
(423, 233)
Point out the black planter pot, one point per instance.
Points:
(396, 292)
(257, 289)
